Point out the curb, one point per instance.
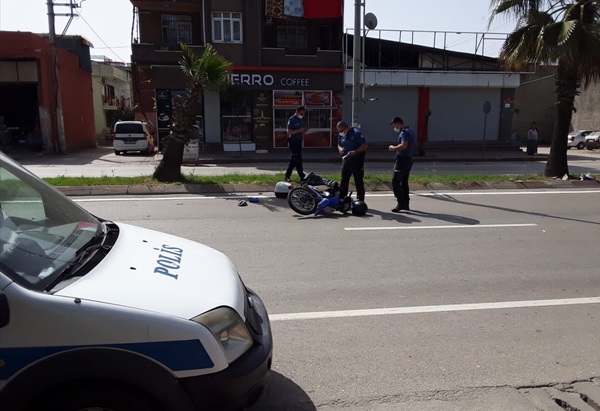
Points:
(390, 160)
(180, 189)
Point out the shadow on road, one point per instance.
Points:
(416, 216)
(449, 198)
(281, 393)
(272, 204)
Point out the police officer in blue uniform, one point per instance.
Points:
(295, 132)
(404, 162)
(352, 146)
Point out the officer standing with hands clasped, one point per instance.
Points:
(404, 162)
(352, 146)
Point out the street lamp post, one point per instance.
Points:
(356, 63)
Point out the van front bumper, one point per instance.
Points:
(241, 384)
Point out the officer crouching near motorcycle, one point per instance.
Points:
(352, 146)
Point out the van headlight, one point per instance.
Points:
(229, 330)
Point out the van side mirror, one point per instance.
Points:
(4, 310)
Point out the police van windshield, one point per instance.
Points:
(41, 231)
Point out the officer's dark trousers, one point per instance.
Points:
(400, 180)
(532, 147)
(296, 159)
(353, 167)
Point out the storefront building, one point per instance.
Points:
(29, 104)
(440, 93)
(270, 96)
(281, 60)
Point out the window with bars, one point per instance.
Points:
(227, 27)
(292, 37)
(176, 29)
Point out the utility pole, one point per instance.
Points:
(356, 62)
(60, 144)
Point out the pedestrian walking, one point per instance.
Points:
(404, 162)
(352, 147)
(295, 132)
(532, 139)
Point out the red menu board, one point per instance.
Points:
(287, 99)
(317, 98)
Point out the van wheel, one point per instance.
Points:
(95, 396)
(117, 152)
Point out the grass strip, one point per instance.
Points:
(274, 178)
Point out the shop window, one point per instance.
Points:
(282, 115)
(319, 106)
(227, 27)
(292, 37)
(236, 114)
(318, 119)
(176, 29)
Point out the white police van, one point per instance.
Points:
(107, 316)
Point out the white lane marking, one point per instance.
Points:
(490, 193)
(194, 197)
(438, 227)
(432, 309)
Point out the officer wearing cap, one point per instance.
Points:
(352, 146)
(404, 162)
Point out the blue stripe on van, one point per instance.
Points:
(175, 355)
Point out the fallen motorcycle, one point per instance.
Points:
(317, 194)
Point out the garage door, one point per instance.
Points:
(457, 114)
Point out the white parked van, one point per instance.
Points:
(96, 314)
(132, 136)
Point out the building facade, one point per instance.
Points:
(29, 103)
(111, 82)
(282, 58)
(440, 93)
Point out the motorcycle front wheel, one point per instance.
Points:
(302, 201)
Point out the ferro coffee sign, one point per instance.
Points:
(289, 80)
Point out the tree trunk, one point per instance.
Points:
(567, 85)
(169, 169)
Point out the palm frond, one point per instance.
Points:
(587, 53)
(214, 67)
(521, 47)
(188, 60)
(557, 34)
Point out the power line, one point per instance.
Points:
(100, 38)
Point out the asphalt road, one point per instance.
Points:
(476, 301)
(106, 163)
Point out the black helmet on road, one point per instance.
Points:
(360, 208)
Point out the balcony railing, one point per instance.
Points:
(434, 50)
(160, 54)
(281, 57)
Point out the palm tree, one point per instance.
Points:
(208, 72)
(565, 33)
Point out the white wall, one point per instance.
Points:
(375, 116)
(212, 120)
(457, 114)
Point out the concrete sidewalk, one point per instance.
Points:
(447, 153)
(88, 162)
